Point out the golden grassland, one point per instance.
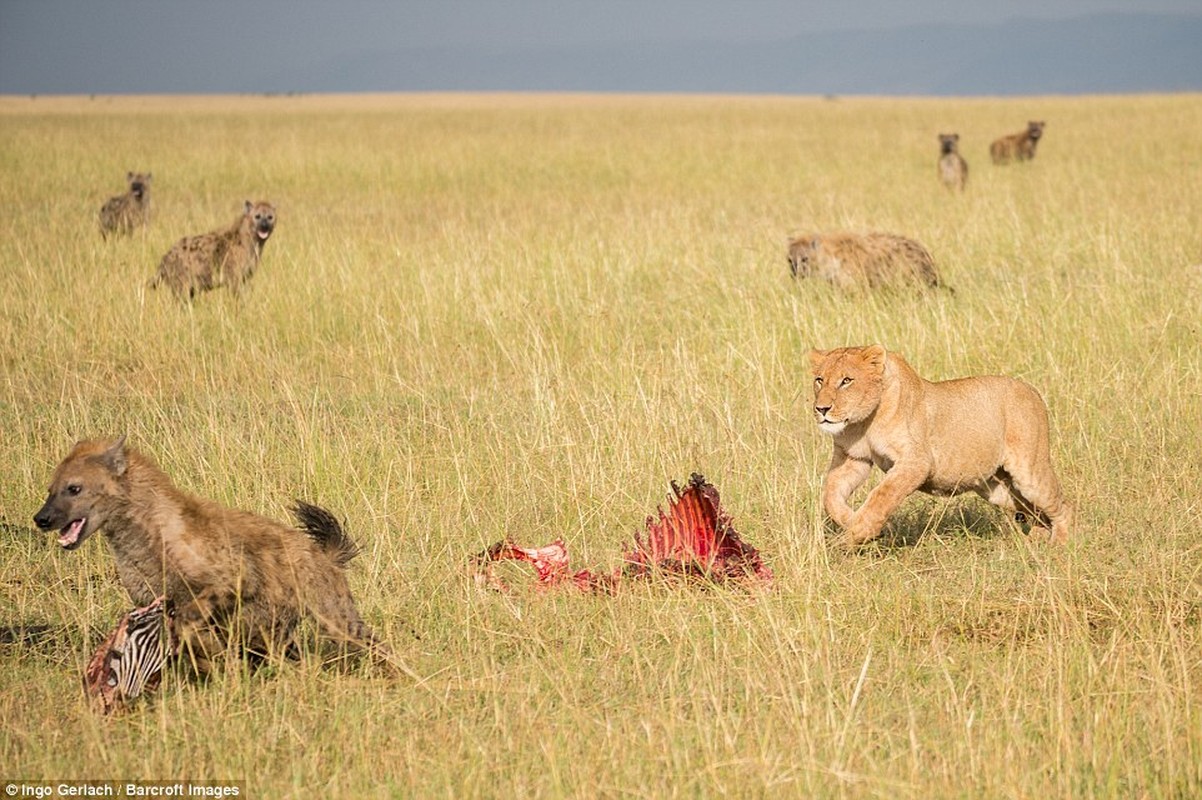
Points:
(489, 316)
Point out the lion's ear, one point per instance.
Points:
(874, 356)
(816, 359)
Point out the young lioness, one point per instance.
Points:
(987, 435)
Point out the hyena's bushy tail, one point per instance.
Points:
(325, 529)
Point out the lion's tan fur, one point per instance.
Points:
(231, 576)
(953, 169)
(862, 260)
(1018, 146)
(987, 435)
(120, 215)
(225, 257)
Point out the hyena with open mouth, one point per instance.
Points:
(225, 257)
(228, 577)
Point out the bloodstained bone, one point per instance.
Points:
(130, 660)
(694, 539)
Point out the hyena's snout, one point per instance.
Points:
(48, 516)
(72, 529)
(264, 227)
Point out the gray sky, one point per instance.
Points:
(102, 46)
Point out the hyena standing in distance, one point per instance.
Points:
(225, 257)
(1018, 146)
(230, 578)
(953, 169)
(121, 214)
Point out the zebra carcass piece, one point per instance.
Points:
(695, 538)
(130, 660)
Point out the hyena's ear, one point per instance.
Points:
(874, 356)
(816, 359)
(249, 205)
(129, 176)
(114, 457)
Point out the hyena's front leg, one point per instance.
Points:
(197, 621)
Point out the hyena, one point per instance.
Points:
(1018, 146)
(123, 213)
(225, 257)
(859, 260)
(231, 578)
(953, 169)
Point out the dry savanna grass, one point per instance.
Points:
(483, 316)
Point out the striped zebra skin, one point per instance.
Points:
(130, 660)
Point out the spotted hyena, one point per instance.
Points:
(953, 169)
(862, 260)
(230, 577)
(225, 257)
(123, 213)
(1017, 146)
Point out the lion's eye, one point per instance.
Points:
(818, 383)
(74, 488)
(844, 382)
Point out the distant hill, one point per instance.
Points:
(1101, 53)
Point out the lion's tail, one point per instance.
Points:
(324, 528)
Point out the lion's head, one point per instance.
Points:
(848, 383)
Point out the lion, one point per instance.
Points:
(862, 260)
(1017, 146)
(987, 435)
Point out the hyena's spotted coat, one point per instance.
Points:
(230, 577)
(1018, 146)
(226, 257)
(121, 214)
(953, 169)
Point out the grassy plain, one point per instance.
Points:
(484, 316)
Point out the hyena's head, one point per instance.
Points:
(262, 219)
(948, 142)
(139, 183)
(802, 253)
(1035, 129)
(84, 492)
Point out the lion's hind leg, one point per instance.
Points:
(999, 491)
(1036, 494)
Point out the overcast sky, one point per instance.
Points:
(99, 46)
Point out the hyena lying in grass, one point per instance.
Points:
(862, 260)
(121, 214)
(953, 169)
(230, 578)
(226, 257)
(1018, 146)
